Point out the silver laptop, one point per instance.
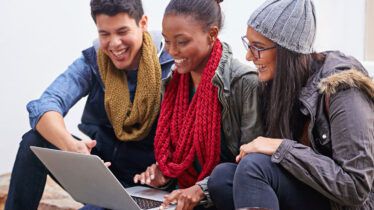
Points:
(89, 181)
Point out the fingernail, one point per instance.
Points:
(161, 207)
(148, 180)
(152, 176)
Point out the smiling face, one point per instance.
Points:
(187, 42)
(266, 63)
(121, 39)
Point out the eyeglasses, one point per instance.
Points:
(254, 50)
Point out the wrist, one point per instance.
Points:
(70, 144)
(199, 191)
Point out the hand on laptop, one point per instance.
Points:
(85, 147)
(186, 198)
(152, 177)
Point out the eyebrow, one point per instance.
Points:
(258, 43)
(175, 36)
(122, 28)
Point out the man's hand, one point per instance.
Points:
(152, 177)
(84, 146)
(261, 144)
(186, 199)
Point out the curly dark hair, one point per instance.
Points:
(133, 8)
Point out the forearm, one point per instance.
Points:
(338, 183)
(52, 127)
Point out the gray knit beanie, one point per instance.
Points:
(289, 23)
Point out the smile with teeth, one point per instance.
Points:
(260, 66)
(119, 53)
(178, 61)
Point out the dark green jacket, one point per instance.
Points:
(237, 91)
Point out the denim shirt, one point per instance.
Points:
(82, 78)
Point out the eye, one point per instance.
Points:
(182, 43)
(122, 33)
(103, 34)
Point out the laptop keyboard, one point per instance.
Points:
(146, 203)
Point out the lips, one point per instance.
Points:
(179, 62)
(119, 54)
(261, 68)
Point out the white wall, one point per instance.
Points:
(39, 39)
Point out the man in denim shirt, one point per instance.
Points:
(123, 49)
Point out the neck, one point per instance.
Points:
(195, 77)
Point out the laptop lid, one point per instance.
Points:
(86, 178)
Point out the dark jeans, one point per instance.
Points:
(29, 174)
(258, 182)
(89, 207)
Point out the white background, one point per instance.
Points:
(40, 38)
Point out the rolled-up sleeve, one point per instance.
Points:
(64, 92)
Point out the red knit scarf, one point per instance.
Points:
(185, 129)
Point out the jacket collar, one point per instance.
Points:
(237, 69)
(332, 76)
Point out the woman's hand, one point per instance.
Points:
(186, 199)
(261, 144)
(152, 177)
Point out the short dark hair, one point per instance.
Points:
(133, 8)
(206, 11)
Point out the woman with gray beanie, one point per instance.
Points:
(318, 150)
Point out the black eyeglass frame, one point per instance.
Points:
(254, 49)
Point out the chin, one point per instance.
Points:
(182, 71)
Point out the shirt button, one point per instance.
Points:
(277, 155)
(324, 136)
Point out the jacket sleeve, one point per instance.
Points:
(250, 122)
(64, 92)
(347, 176)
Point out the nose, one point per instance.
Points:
(249, 56)
(172, 49)
(115, 41)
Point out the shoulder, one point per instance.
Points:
(244, 74)
(234, 70)
(341, 72)
(345, 80)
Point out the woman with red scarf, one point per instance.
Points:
(209, 107)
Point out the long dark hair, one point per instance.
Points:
(279, 98)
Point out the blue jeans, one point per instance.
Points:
(29, 174)
(258, 182)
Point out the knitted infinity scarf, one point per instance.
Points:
(185, 129)
(132, 121)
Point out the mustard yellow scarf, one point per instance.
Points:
(132, 121)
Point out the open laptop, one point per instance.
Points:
(89, 181)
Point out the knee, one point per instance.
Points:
(33, 138)
(220, 180)
(255, 164)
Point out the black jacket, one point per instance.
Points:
(340, 161)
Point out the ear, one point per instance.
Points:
(213, 34)
(143, 23)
